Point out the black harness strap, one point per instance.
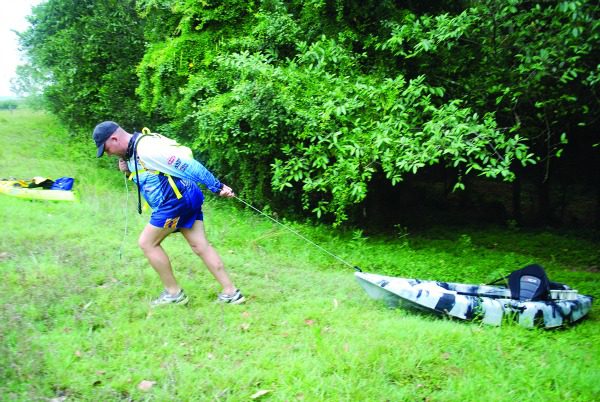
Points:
(133, 144)
(132, 151)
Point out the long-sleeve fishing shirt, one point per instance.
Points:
(166, 168)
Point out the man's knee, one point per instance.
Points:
(145, 244)
(151, 238)
(200, 247)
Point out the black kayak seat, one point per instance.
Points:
(531, 284)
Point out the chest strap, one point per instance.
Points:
(173, 185)
(169, 179)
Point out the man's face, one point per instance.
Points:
(116, 145)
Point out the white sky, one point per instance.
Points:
(12, 16)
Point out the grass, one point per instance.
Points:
(76, 324)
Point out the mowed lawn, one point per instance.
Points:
(76, 323)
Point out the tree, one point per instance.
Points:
(321, 114)
(536, 65)
(85, 52)
(303, 103)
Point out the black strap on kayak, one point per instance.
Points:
(498, 280)
(355, 267)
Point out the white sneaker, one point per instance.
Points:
(167, 298)
(236, 298)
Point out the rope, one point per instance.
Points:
(355, 267)
(299, 235)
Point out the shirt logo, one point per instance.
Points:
(177, 163)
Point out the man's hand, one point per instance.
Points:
(123, 166)
(226, 191)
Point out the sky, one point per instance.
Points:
(12, 16)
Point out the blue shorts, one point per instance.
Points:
(180, 213)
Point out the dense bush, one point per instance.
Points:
(304, 102)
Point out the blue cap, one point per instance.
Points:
(101, 133)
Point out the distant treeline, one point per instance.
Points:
(371, 112)
(8, 104)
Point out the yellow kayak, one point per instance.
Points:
(14, 189)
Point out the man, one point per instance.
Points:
(168, 176)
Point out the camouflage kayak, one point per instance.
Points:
(491, 304)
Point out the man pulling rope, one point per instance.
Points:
(168, 176)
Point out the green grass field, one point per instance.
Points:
(76, 324)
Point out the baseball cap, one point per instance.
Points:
(102, 132)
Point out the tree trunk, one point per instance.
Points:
(544, 213)
(598, 202)
(517, 214)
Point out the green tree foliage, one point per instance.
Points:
(86, 52)
(322, 115)
(305, 101)
(536, 64)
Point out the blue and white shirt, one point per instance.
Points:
(159, 157)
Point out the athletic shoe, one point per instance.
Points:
(166, 298)
(236, 298)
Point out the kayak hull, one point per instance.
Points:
(36, 194)
(491, 304)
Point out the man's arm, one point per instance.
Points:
(177, 161)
